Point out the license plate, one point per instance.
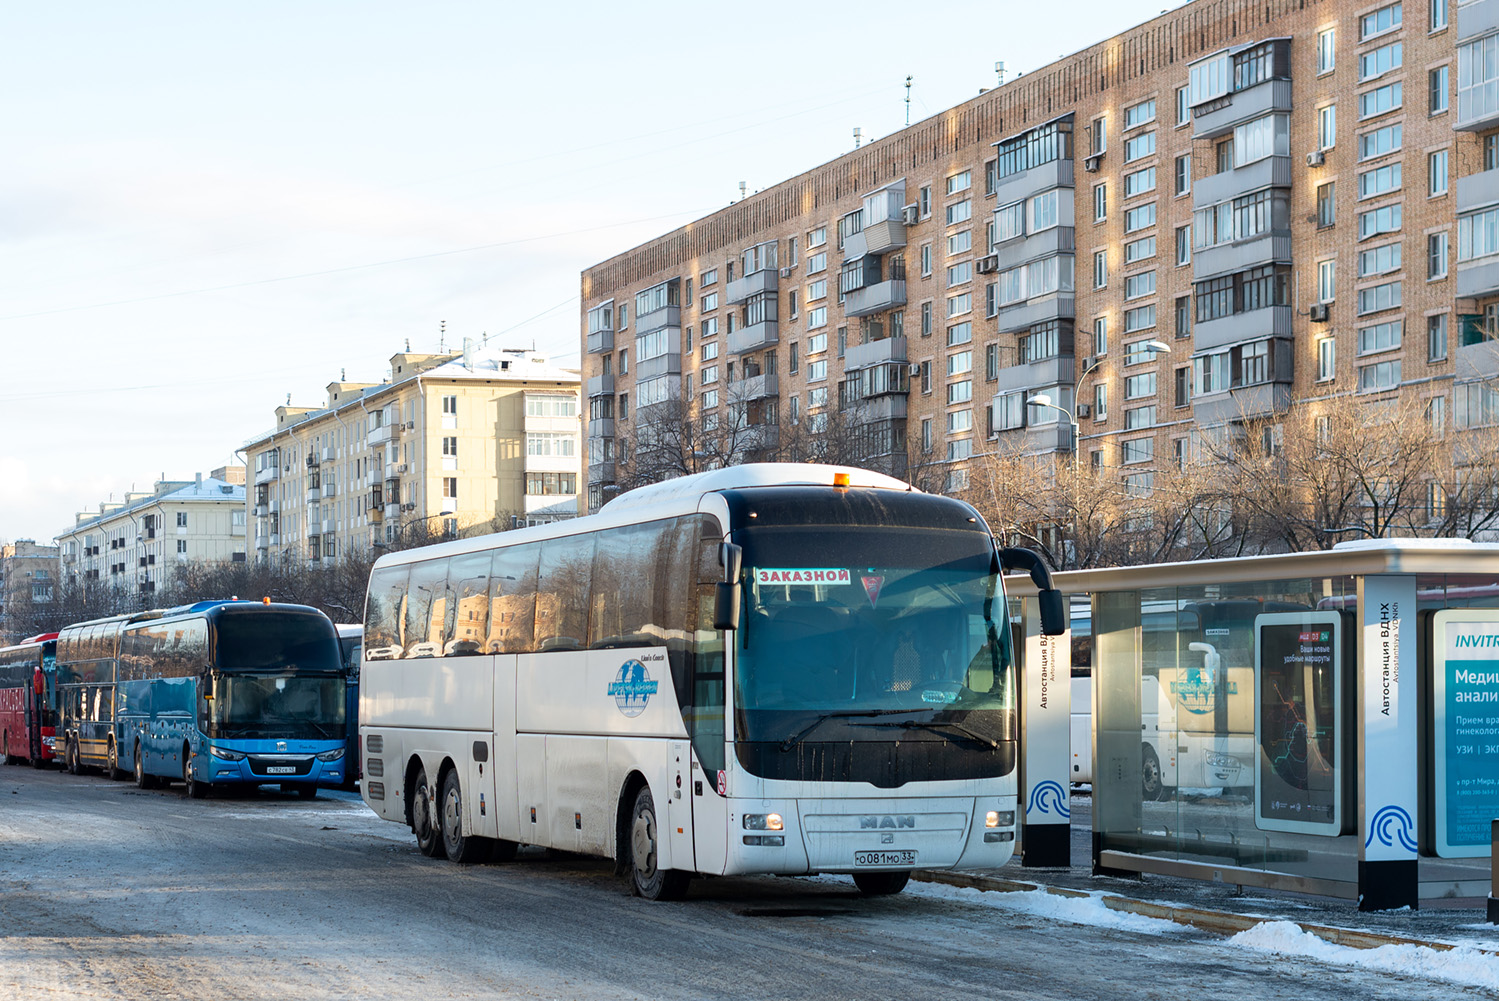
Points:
(885, 858)
(281, 770)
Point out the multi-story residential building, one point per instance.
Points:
(133, 544)
(483, 438)
(28, 574)
(1226, 209)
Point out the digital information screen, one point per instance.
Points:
(1465, 729)
(1298, 722)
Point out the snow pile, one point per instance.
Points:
(1089, 910)
(1462, 965)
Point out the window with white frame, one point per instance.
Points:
(1379, 376)
(1139, 318)
(1327, 359)
(1139, 250)
(959, 212)
(1184, 174)
(1379, 260)
(1100, 268)
(1381, 21)
(1379, 142)
(1326, 284)
(1385, 219)
(1140, 285)
(1436, 256)
(1379, 181)
(1377, 62)
(1139, 182)
(1139, 147)
(1436, 337)
(1327, 126)
(1100, 201)
(1436, 173)
(1140, 217)
(959, 182)
(1139, 114)
(1326, 54)
(1380, 100)
(1380, 337)
(1378, 297)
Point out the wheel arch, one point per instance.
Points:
(623, 813)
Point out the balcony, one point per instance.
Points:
(875, 298)
(1034, 375)
(238, 531)
(376, 515)
(601, 385)
(601, 472)
(1046, 243)
(1477, 191)
(666, 316)
(275, 507)
(1478, 279)
(1273, 247)
(330, 489)
(393, 510)
(1023, 315)
(1218, 117)
(276, 538)
(652, 368)
(754, 337)
(262, 542)
(1475, 18)
(602, 427)
(601, 342)
(328, 526)
(260, 510)
(1265, 399)
(740, 289)
(882, 237)
(267, 475)
(889, 407)
(1473, 362)
(1257, 323)
(1044, 177)
(1041, 439)
(875, 353)
(756, 387)
(1271, 172)
(385, 433)
(314, 494)
(758, 437)
(329, 454)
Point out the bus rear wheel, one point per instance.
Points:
(424, 823)
(74, 767)
(647, 878)
(881, 884)
(464, 850)
(114, 762)
(5, 758)
(142, 780)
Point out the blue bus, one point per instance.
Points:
(351, 640)
(215, 693)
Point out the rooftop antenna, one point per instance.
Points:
(999, 68)
(408, 345)
(908, 99)
(857, 136)
(741, 190)
(442, 335)
(288, 399)
(343, 375)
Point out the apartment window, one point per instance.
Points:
(960, 243)
(450, 447)
(817, 317)
(1137, 450)
(1184, 174)
(791, 362)
(1326, 207)
(1436, 337)
(1098, 134)
(1378, 297)
(791, 303)
(959, 333)
(1380, 337)
(1436, 173)
(1379, 181)
(450, 487)
(1325, 50)
(959, 212)
(924, 199)
(1139, 218)
(817, 371)
(1385, 219)
(960, 392)
(1478, 235)
(1100, 269)
(450, 406)
(181, 519)
(926, 434)
(1138, 387)
(926, 260)
(1438, 15)
(1101, 402)
(1139, 318)
(960, 363)
(710, 302)
(991, 177)
(1101, 335)
(926, 319)
(1183, 316)
(1182, 395)
(1100, 201)
(1139, 250)
(959, 182)
(1383, 20)
(1139, 182)
(1183, 106)
(1224, 155)
(842, 341)
(957, 305)
(1140, 285)
(1436, 90)
(1379, 260)
(991, 362)
(1327, 126)
(1139, 114)
(1139, 147)
(1326, 280)
(1184, 245)
(1436, 256)
(817, 290)
(926, 377)
(1380, 141)
(1379, 376)
(182, 546)
(1380, 100)
(624, 316)
(708, 277)
(960, 274)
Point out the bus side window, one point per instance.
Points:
(466, 619)
(562, 593)
(384, 613)
(426, 598)
(512, 599)
(623, 589)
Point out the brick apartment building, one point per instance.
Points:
(1231, 207)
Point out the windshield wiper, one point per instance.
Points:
(936, 725)
(822, 718)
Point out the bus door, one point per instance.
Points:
(710, 816)
(677, 817)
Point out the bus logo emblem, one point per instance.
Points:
(632, 688)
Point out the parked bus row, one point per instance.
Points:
(761, 669)
(210, 694)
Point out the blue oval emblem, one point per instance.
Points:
(632, 688)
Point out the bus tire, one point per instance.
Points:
(1151, 788)
(647, 878)
(460, 849)
(881, 884)
(5, 758)
(74, 768)
(190, 783)
(424, 823)
(114, 772)
(142, 780)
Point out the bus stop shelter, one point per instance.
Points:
(1323, 722)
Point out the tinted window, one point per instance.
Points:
(512, 599)
(426, 600)
(561, 600)
(466, 611)
(273, 640)
(384, 611)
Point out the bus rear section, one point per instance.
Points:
(746, 671)
(28, 715)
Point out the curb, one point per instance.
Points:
(1220, 922)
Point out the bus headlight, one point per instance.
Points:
(763, 822)
(997, 818)
(224, 754)
(333, 755)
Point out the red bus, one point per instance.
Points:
(28, 712)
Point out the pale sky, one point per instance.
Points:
(205, 207)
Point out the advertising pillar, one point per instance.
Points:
(1046, 745)
(1387, 742)
(1465, 725)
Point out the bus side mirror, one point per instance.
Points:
(726, 605)
(731, 558)
(1053, 612)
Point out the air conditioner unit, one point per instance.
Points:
(1092, 162)
(910, 213)
(1319, 312)
(786, 272)
(1084, 410)
(1316, 159)
(1088, 361)
(988, 265)
(408, 507)
(411, 425)
(403, 467)
(916, 368)
(311, 461)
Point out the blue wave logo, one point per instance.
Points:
(1391, 824)
(1049, 797)
(632, 688)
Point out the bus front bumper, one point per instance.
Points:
(289, 768)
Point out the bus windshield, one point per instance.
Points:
(300, 707)
(277, 642)
(860, 634)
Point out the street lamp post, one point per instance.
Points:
(1043, 400)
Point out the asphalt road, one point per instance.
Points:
(107, 891)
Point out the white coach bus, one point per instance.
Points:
(761, 669)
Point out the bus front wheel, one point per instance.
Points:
(464, 850)
(114, 762)
(424, 823)
(142, 780)
(74, 767)
(195, 789)
(881, 884)
(647, 877)
(5, 758)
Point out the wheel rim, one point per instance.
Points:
(114, 760)
(452, 811)
(1152, 776)
(643, 843)
(421, 812)
(140, 772)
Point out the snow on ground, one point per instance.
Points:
(1461, 965)
(1089, 910)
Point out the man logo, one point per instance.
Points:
(881, 823)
